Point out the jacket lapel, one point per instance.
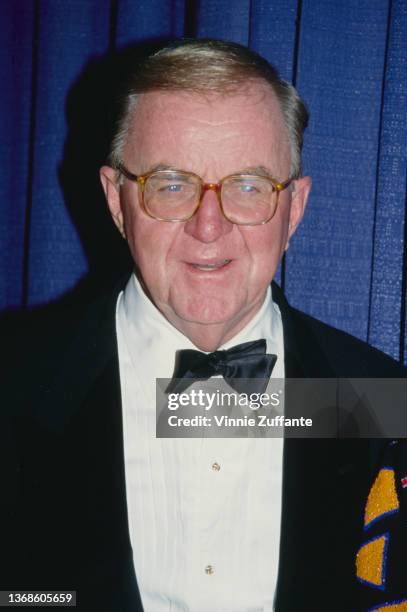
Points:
(322, 494)
(81, 421)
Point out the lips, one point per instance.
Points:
(210, 266)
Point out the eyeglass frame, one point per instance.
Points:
(216, 187)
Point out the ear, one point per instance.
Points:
(108, 178)
(299, 197)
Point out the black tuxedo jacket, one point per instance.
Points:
(64, 507)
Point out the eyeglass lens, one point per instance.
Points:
(245, 199)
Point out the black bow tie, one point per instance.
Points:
(243, 361)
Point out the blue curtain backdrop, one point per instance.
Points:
(347, 264)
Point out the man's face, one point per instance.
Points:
(206, 275)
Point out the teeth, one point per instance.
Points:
(214, 266)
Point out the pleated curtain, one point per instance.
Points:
(347, 263)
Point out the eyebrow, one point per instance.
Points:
(159, 167)
(258, 170)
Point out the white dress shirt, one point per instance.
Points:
(204, 514)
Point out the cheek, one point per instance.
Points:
(150, 243)
(265, 247)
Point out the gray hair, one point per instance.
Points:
(209, 65)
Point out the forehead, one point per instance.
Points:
(200, 132)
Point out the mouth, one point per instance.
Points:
(210, 267)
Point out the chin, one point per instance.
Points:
(206, 311)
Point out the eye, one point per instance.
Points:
(173, 188)
(248, 188)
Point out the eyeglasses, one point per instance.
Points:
(175, 195)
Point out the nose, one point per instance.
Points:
(208, 224)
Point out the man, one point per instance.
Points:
(204, 183)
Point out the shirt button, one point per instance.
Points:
(209, 570)
(215, 467)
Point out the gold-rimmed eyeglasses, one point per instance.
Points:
(175, 195)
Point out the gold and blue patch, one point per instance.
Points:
(380, 560)
(382, 499)
(371, 562)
